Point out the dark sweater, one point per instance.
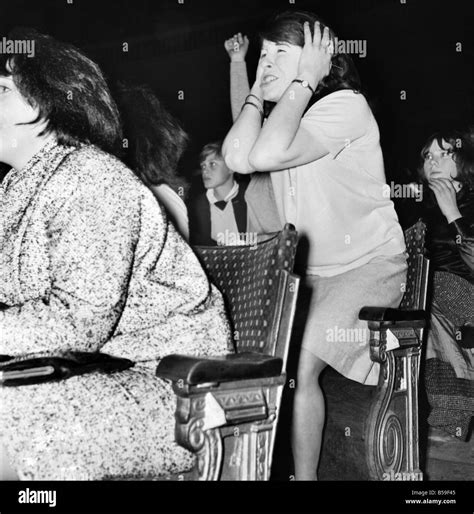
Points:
(199, 211)
(451, 246)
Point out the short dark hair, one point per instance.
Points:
(462, 142)
(68, 89)
(211, 148)
(288, 27)
(156, 140)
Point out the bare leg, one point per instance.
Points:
(308, 416)
(6, 471)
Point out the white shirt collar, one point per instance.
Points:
(230, 195)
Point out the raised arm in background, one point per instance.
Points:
(237, 48)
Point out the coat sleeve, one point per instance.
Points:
(91, 242)
(200, 222)
(464, 237)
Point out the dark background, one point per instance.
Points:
(173, 46)
(411, 47)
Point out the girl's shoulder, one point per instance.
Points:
(166, 193)
(348, 100)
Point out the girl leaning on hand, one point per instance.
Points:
(447, 170)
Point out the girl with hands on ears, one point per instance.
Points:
(315, 59)
(321, 144)
(297, 67)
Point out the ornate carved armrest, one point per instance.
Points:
(229, 386)
(226, 406)
(392, 328)
(200, 370)
(392, 424)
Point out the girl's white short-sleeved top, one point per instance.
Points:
(340, 202)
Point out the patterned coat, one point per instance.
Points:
(89, 262)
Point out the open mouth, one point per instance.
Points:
(268, 79)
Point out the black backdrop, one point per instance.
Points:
(177, 45)
(173, 46)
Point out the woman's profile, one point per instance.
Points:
(88, 262)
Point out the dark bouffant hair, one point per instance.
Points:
(68, 89)
(156, 141)
(288, 27)
(462, 142)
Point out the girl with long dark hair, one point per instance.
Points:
(447, 173)
(154, 142)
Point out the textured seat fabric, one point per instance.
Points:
(247, 276)
(242, 366)
(411, 306)
(415, 244)
(260, 293)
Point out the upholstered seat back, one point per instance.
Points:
(249, 277)
(416, 283)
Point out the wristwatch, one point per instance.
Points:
(305, 84)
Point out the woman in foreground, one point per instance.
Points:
(89, 262)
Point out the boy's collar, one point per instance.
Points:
(230, 195)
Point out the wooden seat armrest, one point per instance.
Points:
(201, 370)
(387, 314)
